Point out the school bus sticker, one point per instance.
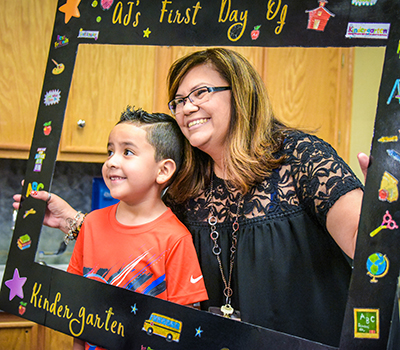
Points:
(163, 326)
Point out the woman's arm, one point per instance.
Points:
(58, 211)
(343, 218)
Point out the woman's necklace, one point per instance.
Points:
(226, 310)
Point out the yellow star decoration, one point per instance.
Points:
(146, 33)
(70, 9)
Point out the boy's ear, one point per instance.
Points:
(166, 171)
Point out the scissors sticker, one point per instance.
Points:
(387, 223)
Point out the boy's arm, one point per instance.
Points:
(78, 344)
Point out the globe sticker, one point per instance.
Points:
(377, 266)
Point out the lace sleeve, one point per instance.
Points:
(320, 176)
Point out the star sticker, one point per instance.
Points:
(70, 9)
(198, 332)
(15, 285)
(146, 33)
(134, 309)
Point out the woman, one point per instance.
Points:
(273, 211)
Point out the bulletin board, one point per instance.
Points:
(116, 318)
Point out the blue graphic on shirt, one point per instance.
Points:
(128, 276)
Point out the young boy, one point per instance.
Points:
(139, 244)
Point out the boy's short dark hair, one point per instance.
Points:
(163, 133)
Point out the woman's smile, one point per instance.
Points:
(197, 122)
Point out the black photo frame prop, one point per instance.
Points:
(116, 318)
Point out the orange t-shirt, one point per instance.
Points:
(157, 258)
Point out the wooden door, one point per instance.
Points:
(311, 88)
(106, 79)
(26, 28)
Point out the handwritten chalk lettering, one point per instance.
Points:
(57, 310)
(177, 17)
(96, 322)
(236, 30)
(272, 12)
(118, 13)
(76, 325)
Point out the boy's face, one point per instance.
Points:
(130, 170)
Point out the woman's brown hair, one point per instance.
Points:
(254, 133)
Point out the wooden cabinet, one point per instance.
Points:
(308, 87)
(106, 80)
(312, 89)
(19, 334)
(26, 28)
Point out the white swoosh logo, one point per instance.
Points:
(195, 280)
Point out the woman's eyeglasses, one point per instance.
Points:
(196, 97)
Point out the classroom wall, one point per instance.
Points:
(74, 180)
(368, 64)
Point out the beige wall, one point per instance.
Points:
(368, 65)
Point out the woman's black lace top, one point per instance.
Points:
(289, 274)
